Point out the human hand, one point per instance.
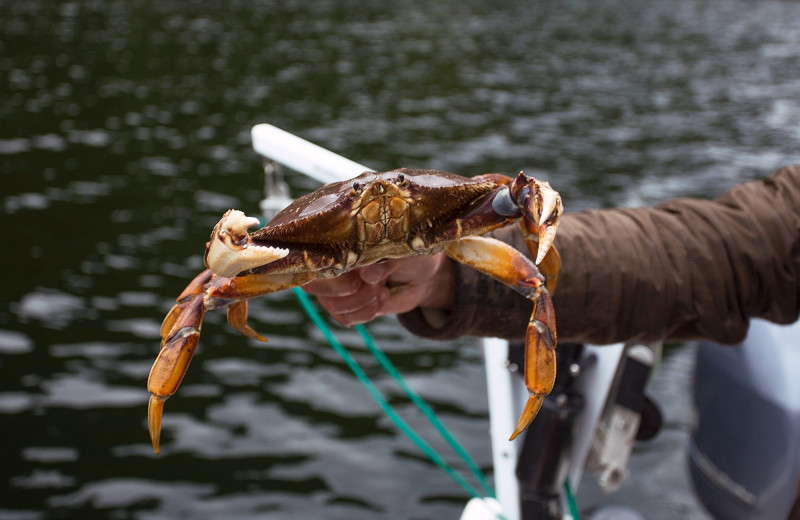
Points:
(390, 287)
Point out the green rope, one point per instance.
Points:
(312, 312)
(572, 504)
(426, 410)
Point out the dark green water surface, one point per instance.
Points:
(124, 135)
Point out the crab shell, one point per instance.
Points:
(373, 217)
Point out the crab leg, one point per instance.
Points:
(237, 318)
(507, 265)
(540, 358)
(180, 331)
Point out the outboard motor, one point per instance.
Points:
(745, 448)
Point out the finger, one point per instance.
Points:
(348, 304)
(368, 310)
(416, 271)
(365, 295)
(422, 267)
(400, 271)
(376, 273)
(428, 282)
(345, 285)
(403, 300)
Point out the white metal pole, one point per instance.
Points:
(504, 407)
(303, 156)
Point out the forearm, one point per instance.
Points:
(686, 269)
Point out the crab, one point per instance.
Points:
(369, 219)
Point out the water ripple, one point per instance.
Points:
(43, 479)
(121, 492)
(52, 307)
(145, 328)
(72, 391)
(12, 342)
(49, 454)
(317, 390)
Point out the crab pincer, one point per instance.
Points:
(541, 207)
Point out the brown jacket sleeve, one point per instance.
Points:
(686, 269)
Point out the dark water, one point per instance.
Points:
(124, 134)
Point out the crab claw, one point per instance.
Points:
(542, 207)
(550, 209)
(231, 251)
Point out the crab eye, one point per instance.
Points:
(356, 186)
(400, 178)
